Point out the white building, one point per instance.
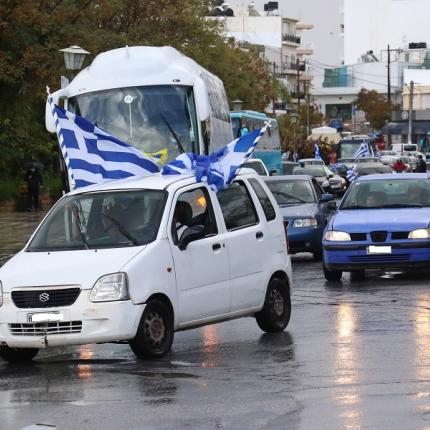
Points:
(374, 24)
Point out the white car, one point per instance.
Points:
(138, 259)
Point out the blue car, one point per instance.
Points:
(305, 209)
(382, 223)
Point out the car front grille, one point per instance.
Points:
(358, 236)
(39, 329)
(45, 298)
(379, 258)
(378, 236)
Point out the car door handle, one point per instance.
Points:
(216, 246)
(259, 234)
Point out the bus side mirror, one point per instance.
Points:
(273, 172)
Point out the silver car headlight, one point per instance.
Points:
(420, 233)
(305, 222)
(110, 288)
(337, 236)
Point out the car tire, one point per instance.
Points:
(155, 333)
(358, 275)
(317, 255)
(332, 275)
(276, 312)
(18, 355)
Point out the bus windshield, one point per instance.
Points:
(150, 118)
(348, 149)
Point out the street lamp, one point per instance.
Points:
(74, 57)
(293, 119)
(237, 104)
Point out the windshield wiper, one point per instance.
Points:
(174, 134)
(354, 207)
(122, 230)
(288, 196)
(402, 205)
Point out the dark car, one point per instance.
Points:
(364, 169)
(329, 181)
(305, 208)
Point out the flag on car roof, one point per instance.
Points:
(92, 155)
(362, 151)
(219, 168)
(317, 152)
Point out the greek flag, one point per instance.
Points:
(317, 152)
(362, 151)
(219, 168)
(93, 156)
(335, 167)
(351, 174)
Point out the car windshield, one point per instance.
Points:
(292, 192)
(373, 169)
(314, 171)
(348, 149)
(150, 118)
(387, 193)
(101, 220)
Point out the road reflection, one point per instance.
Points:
(346, 357)
(84, 371)
(210, 346)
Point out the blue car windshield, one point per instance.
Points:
(387, 193)
(292, 192)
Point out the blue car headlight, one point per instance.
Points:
(305, 222)
(337, 236)
(420, 233)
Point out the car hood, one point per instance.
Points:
(80, 267)
(364, 221)
(304, 210)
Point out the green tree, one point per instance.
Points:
(375, 106)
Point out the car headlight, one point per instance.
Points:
(325, 184)
(110, 288)
(337, 236)
(420, 233)
(343, 182)
(305, 222)
(1, 294)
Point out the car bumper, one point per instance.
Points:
(83, 322)
(355, 257)
(306, 239)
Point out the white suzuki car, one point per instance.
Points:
(138, 259)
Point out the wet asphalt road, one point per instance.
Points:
(356, 355)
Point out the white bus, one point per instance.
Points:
(154, 98)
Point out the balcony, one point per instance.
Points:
(291, 38)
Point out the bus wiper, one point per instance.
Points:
(122, 229)
(174, 134)
(402, 205)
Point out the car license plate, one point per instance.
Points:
(379, 250)
(45, 317)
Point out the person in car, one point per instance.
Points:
(399, 166)
(372, 200)
(421, 166)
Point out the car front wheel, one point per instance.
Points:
(154, 335)
(332, 275)
(276, 312)
(18, 355)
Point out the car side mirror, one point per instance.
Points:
(331, 206)
(326, 198)
(273, 172)
(191, 234)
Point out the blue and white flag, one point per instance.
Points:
(351, 174)
(362, 151)
(92, 155)
(219, 168)
(317, 152)
(335, 167)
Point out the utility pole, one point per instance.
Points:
(308, 114)
(389, 75)
(298, 85)
(411, 108)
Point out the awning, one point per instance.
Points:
(398, 128)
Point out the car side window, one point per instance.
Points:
(317, 188)
(264, 200)
(237, 206)
(193, 208)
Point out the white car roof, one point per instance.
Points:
(155, 181)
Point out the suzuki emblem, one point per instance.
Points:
(44, 297)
